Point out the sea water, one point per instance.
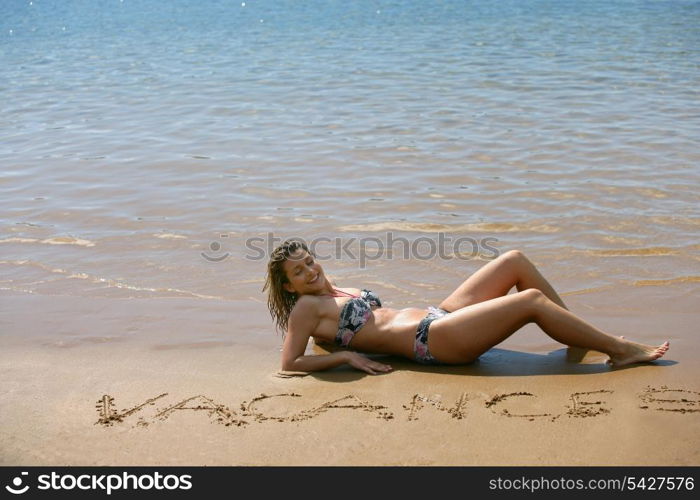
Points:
(155, 149)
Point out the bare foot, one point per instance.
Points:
(637, 353)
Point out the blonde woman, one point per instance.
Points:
(478, 315)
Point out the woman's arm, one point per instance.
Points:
(303, 320)
(317, 362)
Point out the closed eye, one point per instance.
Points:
(308, 263)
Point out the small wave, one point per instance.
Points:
(652, 192)
(170, 236)
(67, 240)
(675, 220)
(614, 239)
(19, 240)
(111, 283)
(587, 290)
(120, 284)
(58, 240)
(78, 341)
(427, 227)
(16, 289)
(633, 252)
(671, 281)
(34, 264)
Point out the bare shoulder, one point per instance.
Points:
(305, 305)
(307, 301)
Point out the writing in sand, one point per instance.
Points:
(275, 407)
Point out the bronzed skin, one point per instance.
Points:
(483, 315)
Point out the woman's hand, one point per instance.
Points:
(361, 362)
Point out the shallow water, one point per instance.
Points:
(141, 141)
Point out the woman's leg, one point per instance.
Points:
(496, 278)
(467, 333)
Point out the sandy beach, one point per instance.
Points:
(153, 153)
(170, 402)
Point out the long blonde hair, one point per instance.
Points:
(279, 301)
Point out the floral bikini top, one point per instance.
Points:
(354, 315)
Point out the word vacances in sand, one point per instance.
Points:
(579, 405)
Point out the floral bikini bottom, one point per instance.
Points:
(420, 346)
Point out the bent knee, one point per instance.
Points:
(513, 255)
(533, 298)
(532, 294)
(532, 301)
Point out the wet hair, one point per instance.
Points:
(279, 301)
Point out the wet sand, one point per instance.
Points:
(91, 397)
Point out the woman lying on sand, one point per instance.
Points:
(478, 315)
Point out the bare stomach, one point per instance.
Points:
(389, 331)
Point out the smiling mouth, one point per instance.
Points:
(314, 280)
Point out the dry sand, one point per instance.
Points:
(108, 400)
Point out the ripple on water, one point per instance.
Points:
(563, 128)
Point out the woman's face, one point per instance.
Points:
(304, 274)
